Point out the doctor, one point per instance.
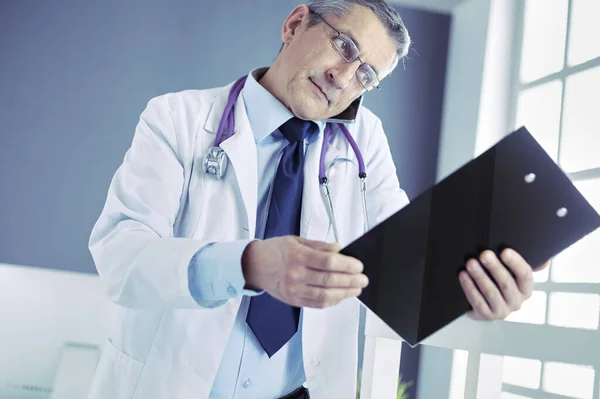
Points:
(228, 282)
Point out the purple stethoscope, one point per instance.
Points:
(215, 162)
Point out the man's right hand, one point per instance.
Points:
(302, 272)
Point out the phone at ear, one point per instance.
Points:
(349, 114)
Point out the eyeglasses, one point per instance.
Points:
(347, 49)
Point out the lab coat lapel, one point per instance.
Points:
(241, 152)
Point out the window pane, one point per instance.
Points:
(458, 377)
(532, 311)
(574, 310)
(584, 26)
(522, 372)
(539, 110)
(579, 262)
(580, 142)
(544, 37)
(591, 191)
(569, 379)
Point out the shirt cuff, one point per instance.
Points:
(215, 273)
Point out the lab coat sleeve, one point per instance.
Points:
(384, 195)
(140, 262)
(213, 286)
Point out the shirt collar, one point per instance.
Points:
(265, 112)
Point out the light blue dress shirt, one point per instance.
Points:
(246, 372)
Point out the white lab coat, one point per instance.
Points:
(162, 208)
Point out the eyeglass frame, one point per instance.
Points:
(349, 39)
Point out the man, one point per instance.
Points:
(220, 296)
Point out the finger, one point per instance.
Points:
(318, 297)
(332, 262)
(504, 280)
(481, 308)
(319, 278)
(521, 270)
(475, 315)
(487, 289)
(319, 245)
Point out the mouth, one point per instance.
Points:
(321, 91)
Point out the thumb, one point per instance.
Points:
(319, 245)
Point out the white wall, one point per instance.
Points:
(42, 311)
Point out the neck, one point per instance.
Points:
(269, 82)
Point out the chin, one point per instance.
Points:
(307, 115)
(308, 109)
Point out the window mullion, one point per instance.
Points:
(517, 56)
(564, 79)
(588, 174)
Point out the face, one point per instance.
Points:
(311, 78)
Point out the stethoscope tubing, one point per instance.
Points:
(226, 130)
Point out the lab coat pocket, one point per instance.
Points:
(117, 375)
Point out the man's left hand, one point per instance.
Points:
(491, 301)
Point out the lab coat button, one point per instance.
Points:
(247, 384)
(315, 362)
(232, 291)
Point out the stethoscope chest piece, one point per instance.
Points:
(215, 162)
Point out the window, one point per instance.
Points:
(557, 98)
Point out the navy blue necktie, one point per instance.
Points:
(272, 321)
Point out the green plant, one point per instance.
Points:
(402, 387)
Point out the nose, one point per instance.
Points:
(342, 74)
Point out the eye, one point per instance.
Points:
(365, 77)
(344, 46)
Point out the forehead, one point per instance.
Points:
(376, 46)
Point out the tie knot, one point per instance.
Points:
(296, 129)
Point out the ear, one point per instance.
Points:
(297, 18)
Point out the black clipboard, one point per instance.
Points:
(513, 195)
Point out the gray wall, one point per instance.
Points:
(411, 100)
(74, 77)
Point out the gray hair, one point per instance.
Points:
(388, 16)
